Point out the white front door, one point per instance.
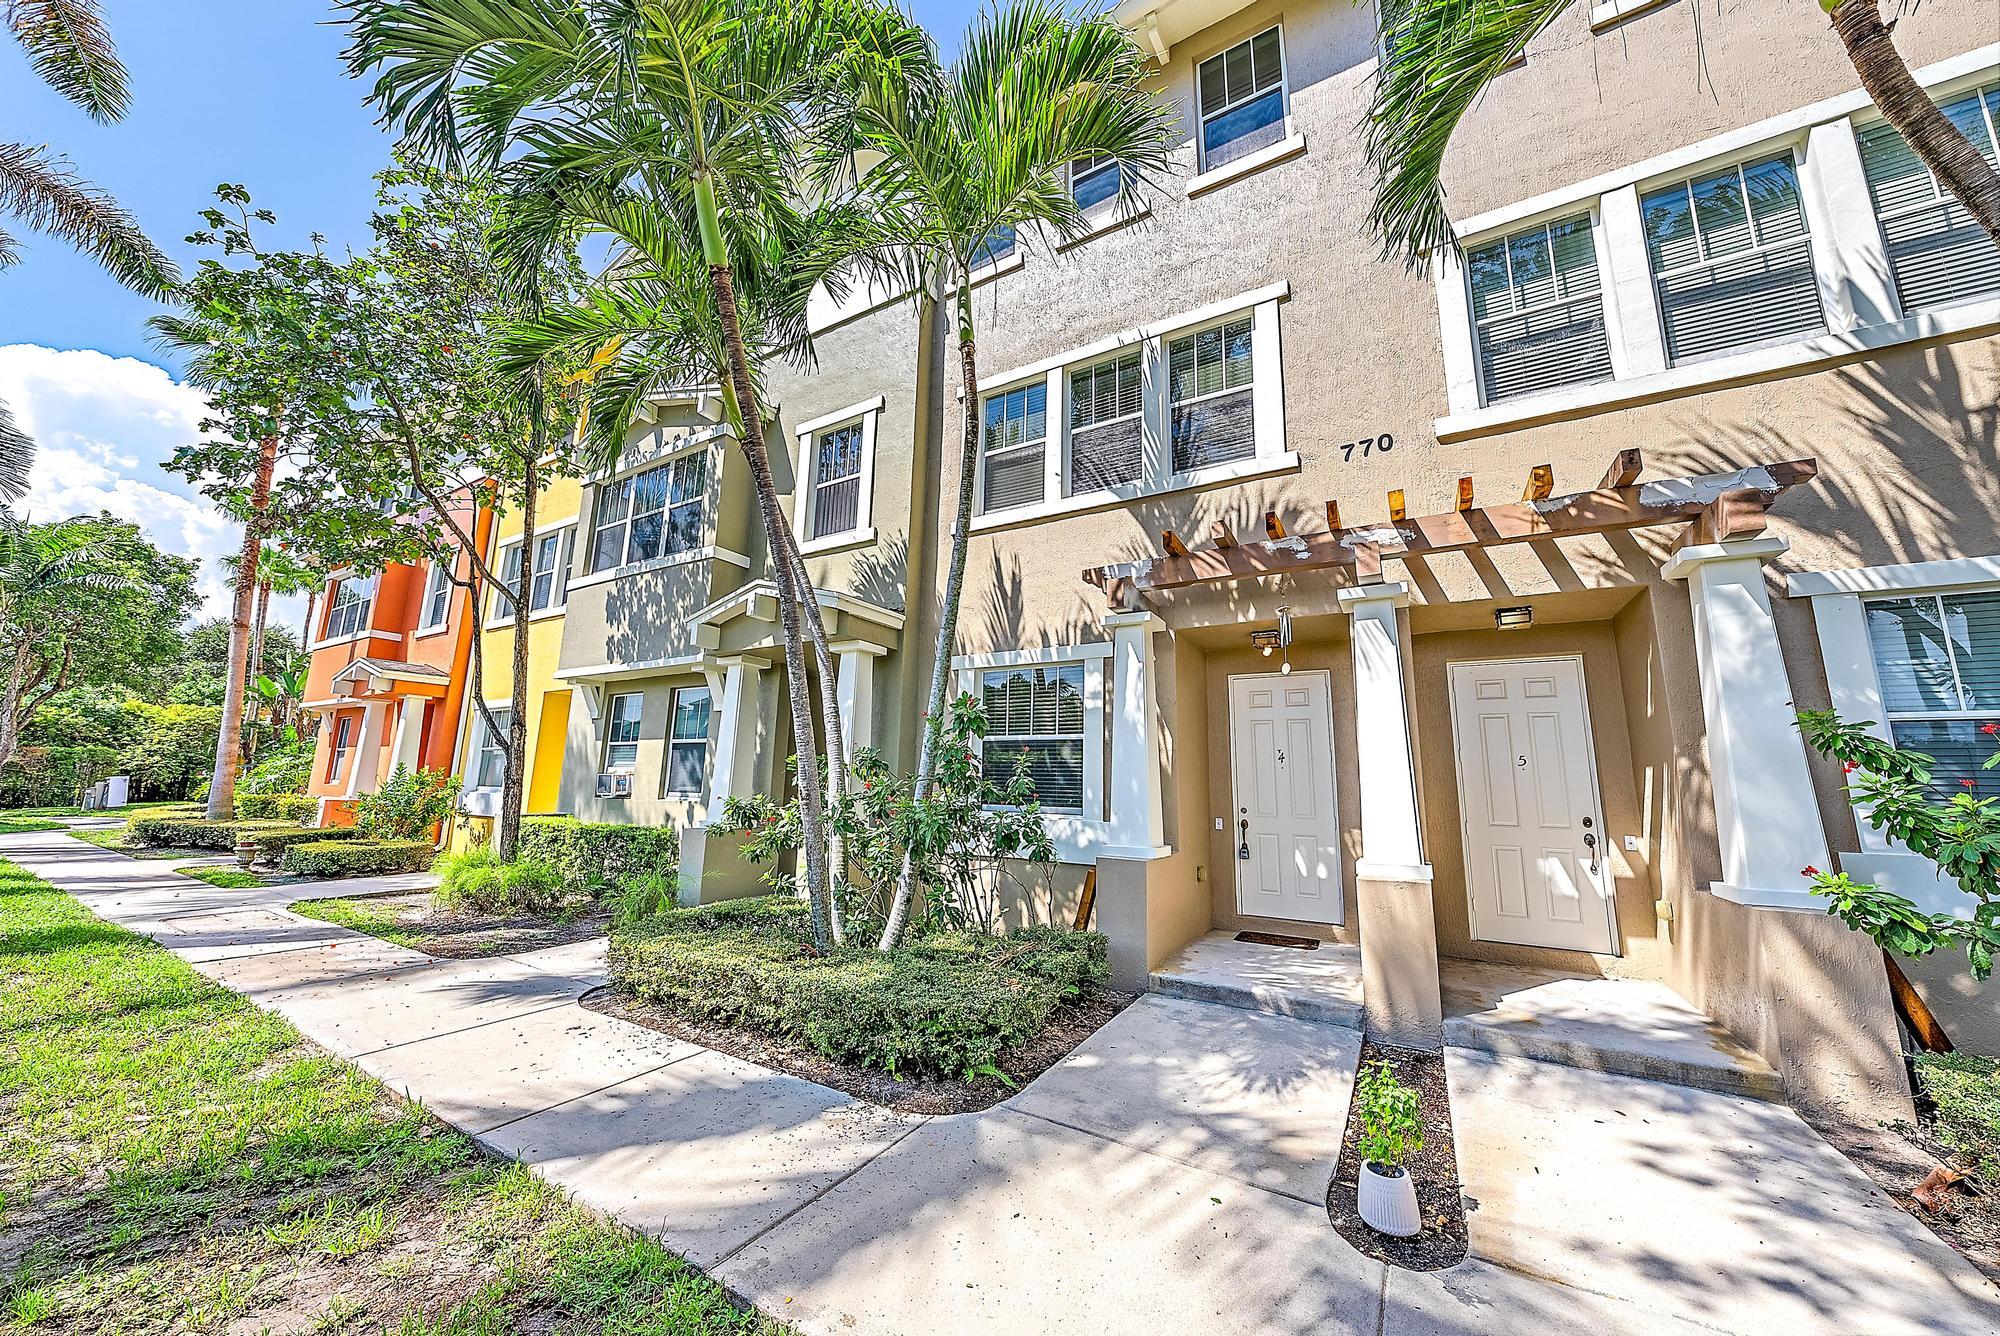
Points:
(1536, 858)
(1285, 826)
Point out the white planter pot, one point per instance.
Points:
(1388, 1201)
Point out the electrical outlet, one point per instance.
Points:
(1631, 844)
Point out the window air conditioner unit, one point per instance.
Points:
(614, 784)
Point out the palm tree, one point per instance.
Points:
(71, 50)
(1036, 89)
(705, 105)
(43, 566)
(1441, 55)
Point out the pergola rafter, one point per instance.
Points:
(1719, 505)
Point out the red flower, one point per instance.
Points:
(1808, 871)
(1989, 728)
(1969, 783)
(1848, 768)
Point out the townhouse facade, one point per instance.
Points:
(1249, 583)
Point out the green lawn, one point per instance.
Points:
(172, 1159)
(364, 916)
(223, 876)
(26, 825)
(7, 813)
(114, 840)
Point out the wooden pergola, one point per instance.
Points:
(1716, 506)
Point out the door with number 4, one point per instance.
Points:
(1536, 866)
(1286, 823)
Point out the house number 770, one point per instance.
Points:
(1367, 445)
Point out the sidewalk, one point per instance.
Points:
(1168, 1176)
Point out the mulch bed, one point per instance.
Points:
(474, 936)
(1899, 1158)
(1442, 1242)
(1069, 1027)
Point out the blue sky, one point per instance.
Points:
(247, 91)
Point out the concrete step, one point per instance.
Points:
(1322, 985)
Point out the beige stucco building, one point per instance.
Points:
(1571, 751)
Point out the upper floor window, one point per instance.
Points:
(836, 480)
(996, 245)
(687, 741)
(1242, 96)
(1036, 712)
(1210, 374)
(347, 611)
(546, 585)
(1014, 447)
(1937, 662)
(1107, 442)
(654, 513)
(1093, 181)
(489, 766)
(1731, 259)
(437, 597)
(1538, 310)
(622, 720)
(1937, 253)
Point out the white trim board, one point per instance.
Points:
(1173, 324)
(1916, 576)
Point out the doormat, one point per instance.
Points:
(1279, 939)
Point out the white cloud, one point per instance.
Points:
(106, 427)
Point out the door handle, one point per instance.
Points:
(1590, 843)
(1243, 848)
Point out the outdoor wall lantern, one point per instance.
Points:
(1513, 619)
(1268, 639)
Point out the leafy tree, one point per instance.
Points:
(1036, 89)
(1440, 55)
(170, 746)
(71, 51)
(1891, 788)
(82, 600)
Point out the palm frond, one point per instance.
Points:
(71, 49)
(43, 191)
(17, 456)
(1440, 56)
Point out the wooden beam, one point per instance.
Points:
(1274, 528)
(1741, 512)
(1223, 538)
(1397, 510)
(1464, 495)
(1368, 564)
(1541, 481)
(1172, 542)
(1333, 514)
(1643, 505)
(1625, 469)
(1087, 901)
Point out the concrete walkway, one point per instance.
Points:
(1168, 1176)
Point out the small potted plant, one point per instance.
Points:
(1391, 1132)
(246, 851)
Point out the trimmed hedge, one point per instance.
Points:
(180, 830)
(945, 1006)
(276, 807)
(356, 857)
(273, 843)
(599, 854)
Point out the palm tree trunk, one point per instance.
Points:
(831, 731)
(513, 788)
(257, 630)
(10, 704)
(228, 741)
(1958, 166)
(812, 848)
(954, 589)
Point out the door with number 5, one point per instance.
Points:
(1285, 821)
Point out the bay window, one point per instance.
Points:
(653, 513)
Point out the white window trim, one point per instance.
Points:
(868, 414)
(1216, 175)
(1267, 396)
(558, 596)
(351, 638)
(1078, 837)
(1610, 12)
(605, 744)
(425, 626)
(1839, 601)
(689, 558)
(630, 466)
(670, 742)
(1291, 146)
(365, 629)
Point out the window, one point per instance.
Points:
(1242, 99)
(621, 731)
(1208, 375)
(510, 580)
(654, 513)
(1937, 661)
(1538, 310)
(1093, 181)
(550, 558)
(347, 611)
(1107, 430)
(1731, 259)
(489, 766)
(437, 597)
(343, 742)
(996, 245)
(687, 741)
(836, 480)
(1014, 447)
(1937, 253)
(1036, 712)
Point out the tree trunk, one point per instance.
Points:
(513, 788)
(254, 671)
(1958, 166)
(307, 723)
(222, 781)
(10, 704)
(833, 733)
(954, 588)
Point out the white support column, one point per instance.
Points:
(1137, 829)
(1391, 845)
(736, 744)
(407, 749)
(1642, 345)
(854, 691)
(367, 753)
(1766, 815)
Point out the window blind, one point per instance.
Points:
(1213, 416)
(1242, 99)
(837, 481)
(1937, 664)
(1016, 438)
(1036, 713)
(1538, 307)
(1106, 425)
(1937, 253)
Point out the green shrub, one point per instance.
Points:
(599, 854)
(1966, 1089)
(408, 806)
(286, 770)
(475, 880)
(643, 896)
(1392, 1126)
(947, 1005)
(273, 843)
(356, 857)
(188, 829)
(276, 807)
